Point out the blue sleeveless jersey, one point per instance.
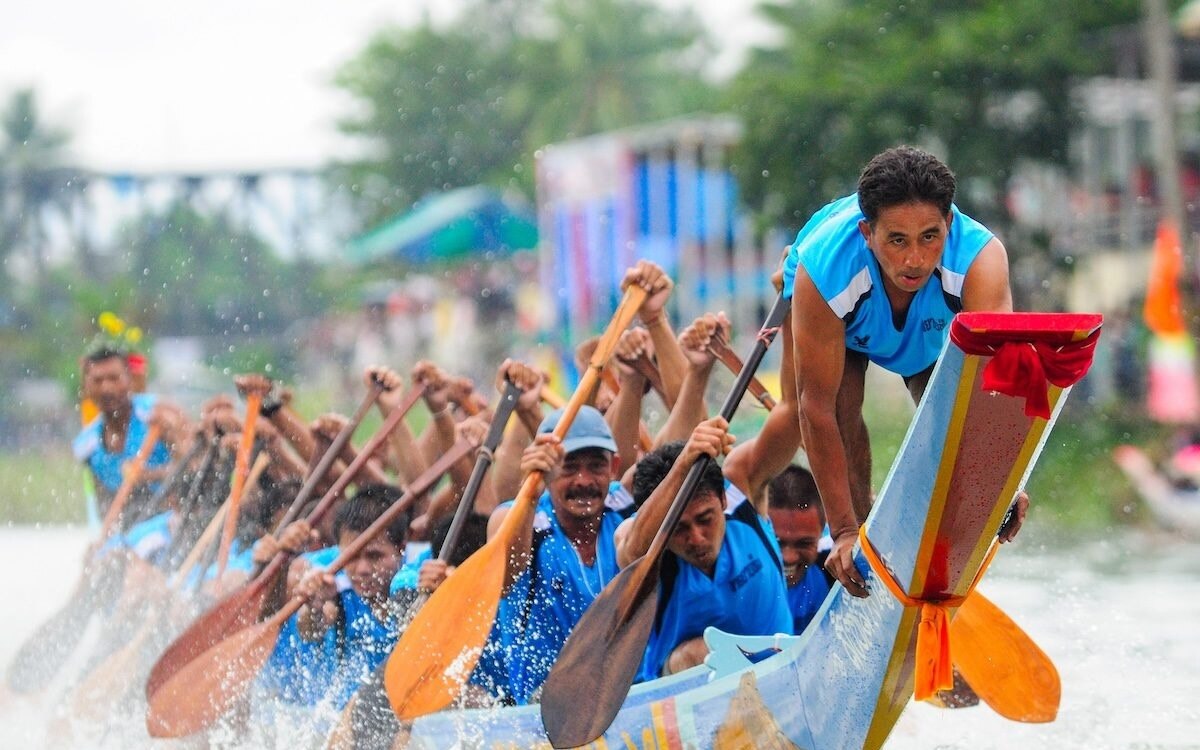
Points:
(408, 575)
(148, 539)
(844, 270)
(88, 445)
(546, 601)
(806, 597)
(746, 596)
(366, 643)
(301, 672)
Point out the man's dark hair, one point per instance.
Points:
(103, 353)
(472, 537)
(904, 175)
(274, 497)
(795, 489)
(359, 512)
(654, 466)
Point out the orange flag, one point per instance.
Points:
(1164, 310)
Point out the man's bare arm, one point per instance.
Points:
(986, 286)
(818, 336)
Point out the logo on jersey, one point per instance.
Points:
(933, 324)
(747, 573)
(861, 341)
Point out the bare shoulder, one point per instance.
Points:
(496, 519)
(986, 286)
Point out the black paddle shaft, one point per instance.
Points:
(508, 402)
(607, 644)
(763, 341)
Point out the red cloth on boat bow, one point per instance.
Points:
(1022, 366)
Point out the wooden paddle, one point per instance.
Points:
(244, 605)
(204, 689)
(436, 654)
(1002, 664)
(241, 467)
(372, 690)
(43, 653)
(170, 484)
(186, 536)
(589, 682)
(113, 679)
(132, 475)
(722, 351)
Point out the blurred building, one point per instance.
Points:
(662, 192)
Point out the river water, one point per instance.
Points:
(1120, 616)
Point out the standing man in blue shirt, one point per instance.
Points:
(877, 276)
(116, 434)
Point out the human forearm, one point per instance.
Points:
(672, 364)
(650, 515)
(690, 408)
(830, 469)
(294, 430)
(624, 417)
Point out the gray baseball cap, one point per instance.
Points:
(588, 430)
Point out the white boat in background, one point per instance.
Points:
(1175, 508)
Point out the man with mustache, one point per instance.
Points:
(563, 562)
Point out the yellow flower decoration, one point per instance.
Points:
(133, 335)
(110, 323)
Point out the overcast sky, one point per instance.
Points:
(147, 84)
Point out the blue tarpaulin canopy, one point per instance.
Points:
(448, 227)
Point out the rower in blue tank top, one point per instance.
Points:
(837, 260)
(877, 277)
(720, 569)
(571, 554)
(355, 606)
(794, 506)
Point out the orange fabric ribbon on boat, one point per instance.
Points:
(933, 667)
(1023, 368)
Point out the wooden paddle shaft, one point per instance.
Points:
(733, 362)
(335, 449)
(343, 481)
(765, 336)
(241, 468)
(532, 486)
(508, 402)
(210, 532)
(420, 486)
(132, 474)
(188, 503)
(168, 485)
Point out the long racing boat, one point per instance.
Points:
(987, 412)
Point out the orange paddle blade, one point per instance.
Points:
(436, 654)
(210, 685)
(236, 611)
(1002, 663)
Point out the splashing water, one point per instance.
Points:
(1119, 617)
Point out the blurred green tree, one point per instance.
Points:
(32, 152)
(984, 83)
(444, 108)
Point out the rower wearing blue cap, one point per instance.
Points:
(571, 554)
